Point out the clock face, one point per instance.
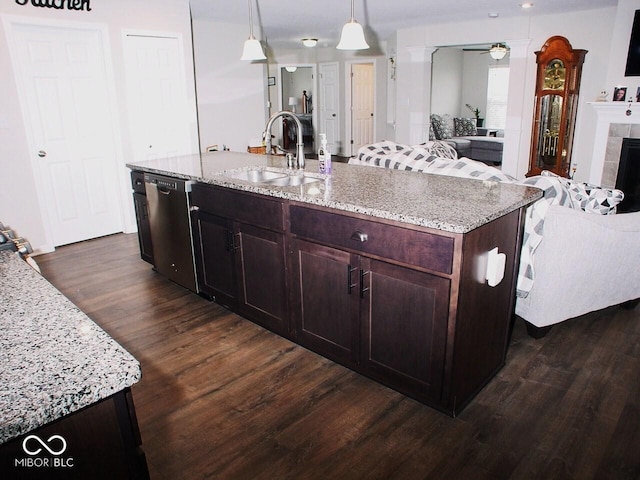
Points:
(554, 75)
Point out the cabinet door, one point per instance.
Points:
(215, 251)
(327, 296)
(405, 315)
(262, 275)
(144, 229)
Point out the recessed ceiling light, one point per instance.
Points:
(493, 14)
(526, 5)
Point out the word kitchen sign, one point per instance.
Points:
(59, 4)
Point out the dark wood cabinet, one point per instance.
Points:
(386, 320)
(326, 300)
(404, 326)
(142, 216)
(240, 253)
(407, 306)
(215, 254)
(101, 441)
(262, 269)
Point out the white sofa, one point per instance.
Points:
(580, 262)
(585, 262)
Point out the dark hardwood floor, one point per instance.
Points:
(223, 398)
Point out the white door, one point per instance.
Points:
(157, 101)
(362, 105)
(329, 105)
(66, 103)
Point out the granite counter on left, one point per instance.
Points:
(55, 364)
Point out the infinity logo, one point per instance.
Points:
(37, 439)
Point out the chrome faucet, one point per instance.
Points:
(299, 144)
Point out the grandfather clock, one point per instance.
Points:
(559, 68)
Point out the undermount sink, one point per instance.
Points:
(257, 175)
(293, 180)
(275, 177)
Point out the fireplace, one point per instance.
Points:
(628, 179)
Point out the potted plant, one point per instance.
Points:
(476, 113)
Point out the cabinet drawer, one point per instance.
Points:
(433, 252)
(260, 211)
(137, 182)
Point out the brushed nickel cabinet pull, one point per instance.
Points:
(359, 236)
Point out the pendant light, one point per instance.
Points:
(352, 37)
(252, 48)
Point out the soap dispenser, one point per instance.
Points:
(324, 155)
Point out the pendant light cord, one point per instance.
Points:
(250, 20)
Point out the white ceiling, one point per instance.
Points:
(285, 22)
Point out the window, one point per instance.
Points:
(497, 91)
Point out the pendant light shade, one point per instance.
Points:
(252, 48)
(352, 37)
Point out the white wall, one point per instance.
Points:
(232, 94)
(592, 30)
(446, 81)
(18, 200)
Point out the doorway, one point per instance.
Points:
(329, 105)
(68, 108)
(360, 105)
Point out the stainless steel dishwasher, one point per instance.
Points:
(170, 224)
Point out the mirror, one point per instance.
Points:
(297, 96)
(460, 76)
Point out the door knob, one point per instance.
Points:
(333, 115)
(42, 153)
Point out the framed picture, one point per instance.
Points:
(638, 95)
(271, 81)
(619, 94)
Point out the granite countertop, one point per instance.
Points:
(451, 204)
(54, 360)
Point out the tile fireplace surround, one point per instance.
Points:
(613, 125)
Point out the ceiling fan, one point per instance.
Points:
(497, 50)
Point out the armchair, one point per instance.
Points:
(584, 263)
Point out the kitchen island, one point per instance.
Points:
(405, 277)
(65, 402)
(445, 203)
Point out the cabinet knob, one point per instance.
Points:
(359, 236)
